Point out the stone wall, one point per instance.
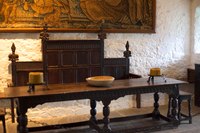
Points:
(168, 48)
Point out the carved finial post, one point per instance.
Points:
(102, 33)
(44, 34)
(13, 58)
(45, 37)
(127, 53)
(102, 36)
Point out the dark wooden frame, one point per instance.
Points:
(111, 30)
(75, 59)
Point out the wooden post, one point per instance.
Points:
(13, 58)
(127, 54)
(44, 36)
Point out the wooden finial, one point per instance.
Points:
(13, 57)
(102, 34)
(127, 53)
(44, 34)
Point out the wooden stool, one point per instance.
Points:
(182, 96)
(2, 118)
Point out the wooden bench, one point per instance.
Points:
(182, 97)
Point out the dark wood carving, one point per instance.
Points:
(70, 61)
(102, 34)
(117, 67)
(23, 69)
(13, 58)
(127, 53)
(44, 34)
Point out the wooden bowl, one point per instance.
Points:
(100, 80)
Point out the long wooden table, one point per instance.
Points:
(119, 88)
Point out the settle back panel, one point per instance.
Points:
(69, 61)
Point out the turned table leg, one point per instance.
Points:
(174, 104)
(174, 107)
(106, 120)
(22, 121)
(93, 111)
(156, 112)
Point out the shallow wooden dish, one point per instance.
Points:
(100, 80)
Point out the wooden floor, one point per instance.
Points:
(183, 128)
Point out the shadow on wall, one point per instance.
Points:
(177, 69)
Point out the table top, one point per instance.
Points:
(72, 88)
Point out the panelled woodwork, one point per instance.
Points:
(22, 70)
(71, 61)
(117, 67)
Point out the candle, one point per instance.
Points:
(36, 78)
(155, 71)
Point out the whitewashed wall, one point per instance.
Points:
(168, 48)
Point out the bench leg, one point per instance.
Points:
(189, 110)
(179, 109)
(138, 100)
(182, 116)
(169, 107)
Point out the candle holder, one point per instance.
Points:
(31, 87)
(151, 78)
(35, 78)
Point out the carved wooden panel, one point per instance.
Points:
(117, 67)
(53, 59)
(22, 70)
(68, 57)
(72, 60)
(54, 76)
(112, 66)
(69, 75)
